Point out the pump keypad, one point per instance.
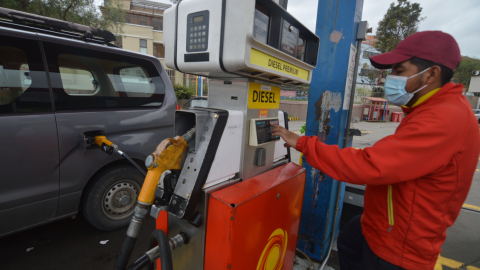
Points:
(197, 31)
(263, 130)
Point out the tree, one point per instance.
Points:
(369, 74)
(400, 21)
(83, 12)
(464, 71)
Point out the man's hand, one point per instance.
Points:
(289, 137)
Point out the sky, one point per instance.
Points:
(460, 18)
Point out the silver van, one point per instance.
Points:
(55, 86)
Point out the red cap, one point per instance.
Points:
(435, 46)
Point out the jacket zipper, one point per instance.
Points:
(390, 208)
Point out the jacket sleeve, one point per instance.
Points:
(423, 145)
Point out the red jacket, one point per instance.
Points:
(417, 179)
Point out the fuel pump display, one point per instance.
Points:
(260, 131)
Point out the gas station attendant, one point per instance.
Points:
(418, 178)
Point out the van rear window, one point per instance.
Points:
(83, 79)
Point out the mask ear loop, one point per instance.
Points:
(419, 73)
(422, 86)
(419, 89)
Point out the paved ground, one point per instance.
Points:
(461, 250)
(67, 244)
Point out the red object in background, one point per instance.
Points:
(178, 107)
(254, 224)
(376, 109)
(285, 93)
(397, 117)
(162, 224)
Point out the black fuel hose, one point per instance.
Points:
(159, 237)
(125, 253)
(140, 263)
(134, 163)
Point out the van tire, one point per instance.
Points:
(100, 206)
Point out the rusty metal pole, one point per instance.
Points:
(337, 23)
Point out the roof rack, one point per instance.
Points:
(149, 4)
(52, 26)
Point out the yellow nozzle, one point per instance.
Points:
(167, 157)
(99, 140)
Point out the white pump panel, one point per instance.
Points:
(228, 157)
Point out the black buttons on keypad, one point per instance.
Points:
(197, 31)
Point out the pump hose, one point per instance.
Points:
(189, 135)
(306, 257)
(157, 237)
(332, 234)
(133, 163)
(125, 252)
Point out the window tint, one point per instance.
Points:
(158, 50)
(23, 81)
(83, 78)
(171, 75)
(156, 23)
(77, 81)
(136, 83)
(143, 46)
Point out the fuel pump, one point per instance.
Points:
(227, 187)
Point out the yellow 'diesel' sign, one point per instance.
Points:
(262, 59)
(262, 96)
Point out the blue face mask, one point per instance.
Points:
(395, 91)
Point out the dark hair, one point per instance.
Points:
(422, 64)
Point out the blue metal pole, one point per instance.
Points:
(337, 23)
(384, 111)
(199, 86)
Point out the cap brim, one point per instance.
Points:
(386, 60)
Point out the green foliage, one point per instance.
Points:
(378, 92)
(84, 12)
(463, 72)
(183, 92)
(361, 93)
(369, 74)
(303, 128)
(399, 22)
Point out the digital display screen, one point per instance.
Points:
(263, 128)
(198, 19)
(260, 27)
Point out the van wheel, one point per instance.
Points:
(109, 200)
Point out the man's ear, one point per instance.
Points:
(433, 74)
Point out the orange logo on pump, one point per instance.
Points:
(274, 252)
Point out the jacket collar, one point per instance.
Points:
(449, 88)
